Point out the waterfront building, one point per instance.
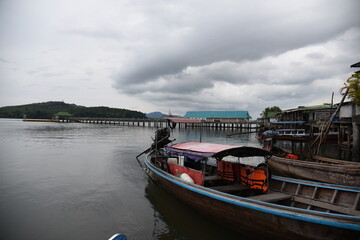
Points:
(310, 114)
(219, 116)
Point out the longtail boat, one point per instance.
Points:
(213, 179)
(318, 169)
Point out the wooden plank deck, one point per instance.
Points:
(272, 196)
(162, 122)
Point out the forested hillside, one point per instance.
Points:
(47, 109)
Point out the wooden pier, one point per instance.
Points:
(160, 122)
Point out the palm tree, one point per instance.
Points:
(352, 86)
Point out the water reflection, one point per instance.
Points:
(81, 181)
(182, 221)
(215, 136)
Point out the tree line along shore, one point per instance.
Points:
(47, 110)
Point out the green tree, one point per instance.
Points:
(268, 110)
(353, 86)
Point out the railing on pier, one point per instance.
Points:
(161, 122)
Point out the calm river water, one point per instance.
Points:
(82, 181)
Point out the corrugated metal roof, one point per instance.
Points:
(318, 107)
(272, 114)
(183, 120)
(217, 114)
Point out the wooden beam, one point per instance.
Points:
(336, 161)
(356, 202)
(327, 206)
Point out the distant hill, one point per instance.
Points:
(161, 115)
(46, 110)
(154, 115)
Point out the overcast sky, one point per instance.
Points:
(156, 55)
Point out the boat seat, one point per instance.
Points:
(272, 196)
(230, 188)
(212, 178)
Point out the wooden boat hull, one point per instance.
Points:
(324, 172)
(256, 218)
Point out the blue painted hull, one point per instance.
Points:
(257, 218)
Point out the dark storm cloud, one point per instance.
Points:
(184, 55)
(236, 32)
(302, 76)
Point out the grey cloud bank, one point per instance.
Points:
(182, 55)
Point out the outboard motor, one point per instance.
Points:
(161, 138)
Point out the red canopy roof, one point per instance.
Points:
(184, 120)
(215, 150)
(203, 147)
